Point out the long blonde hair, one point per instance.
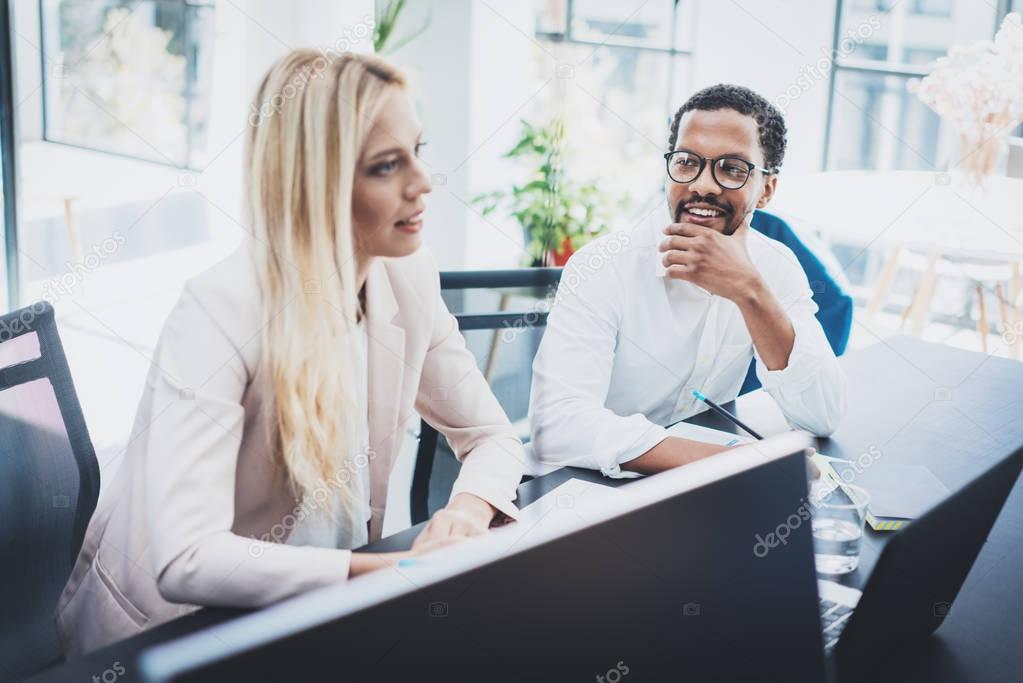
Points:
(310, 118)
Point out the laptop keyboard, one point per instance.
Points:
(834, 617)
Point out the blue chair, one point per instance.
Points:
(834, 305)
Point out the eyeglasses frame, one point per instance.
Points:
(713, 173)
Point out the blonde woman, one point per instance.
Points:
(287, 375)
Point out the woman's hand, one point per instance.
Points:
(464, 517)
(363, 563)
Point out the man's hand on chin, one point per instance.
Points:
(716, 262)
(721, 265)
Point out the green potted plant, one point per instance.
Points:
(386, 20)
(557, 215)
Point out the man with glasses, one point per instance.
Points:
(643, 318)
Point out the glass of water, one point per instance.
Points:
(838, 514)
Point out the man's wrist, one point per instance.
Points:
(751, 293)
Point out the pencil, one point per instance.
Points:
(725, 414)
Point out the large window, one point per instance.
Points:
(622, 67)
(129, 77)
(873, 121)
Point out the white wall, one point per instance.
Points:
(250, 36)
(501, 92)
(437, 63)
(471, 73)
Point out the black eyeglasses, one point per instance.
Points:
(731, 173)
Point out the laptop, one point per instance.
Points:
(916, 579)
(662, 581)
(657, 580)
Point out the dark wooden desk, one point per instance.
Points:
(955, 412)
(920, 403)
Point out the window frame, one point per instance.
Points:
(8, 164)
(869, 67)
(672, 51)
(188, 93)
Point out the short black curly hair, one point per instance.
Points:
(770, 123)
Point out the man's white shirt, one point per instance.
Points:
(626, 346)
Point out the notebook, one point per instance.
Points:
(898, 493)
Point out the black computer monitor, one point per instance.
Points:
(667, 582)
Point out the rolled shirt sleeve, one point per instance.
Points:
(811, 388)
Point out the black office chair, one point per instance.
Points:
(541, 280)
(49, 484)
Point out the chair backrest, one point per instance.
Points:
(834, 305)
(536, 282)
(49, 485)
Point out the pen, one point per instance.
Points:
(725, 414)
